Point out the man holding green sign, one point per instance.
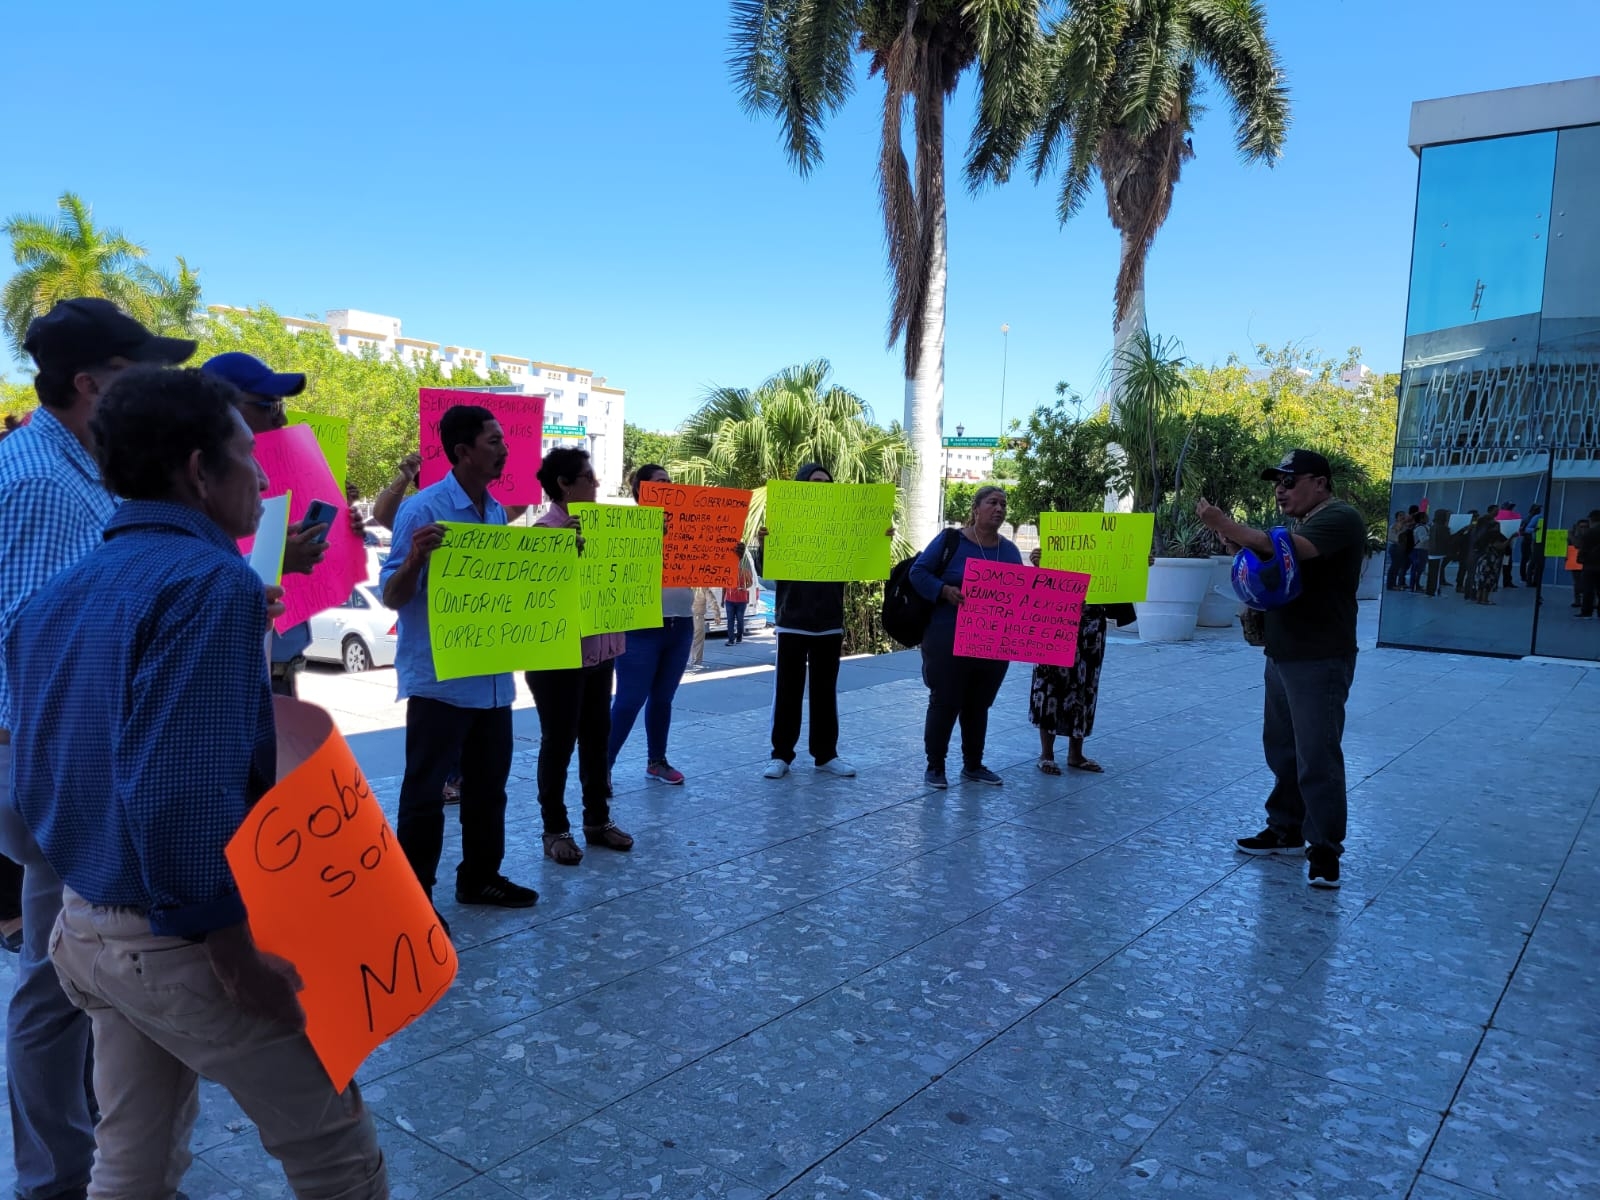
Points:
(454, 723)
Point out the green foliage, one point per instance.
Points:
(1111, 92)
(378, 397)
(640, 446)
(66, 256)
(742, 437)
(795, 62)
(16, 399)
(1064, 466)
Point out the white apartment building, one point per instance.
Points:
(579, 407)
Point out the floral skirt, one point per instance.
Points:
(1063, 699)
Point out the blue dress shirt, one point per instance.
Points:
(143, 719)
(413, 659)
(53, 509)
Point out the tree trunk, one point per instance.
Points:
(925, 404)
(1123, 329)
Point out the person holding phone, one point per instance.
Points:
(262, 403)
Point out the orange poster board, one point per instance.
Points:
(704, 528)
(328, 888)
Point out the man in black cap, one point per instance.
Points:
(54, 508)
(1311, 661)
(263, 392)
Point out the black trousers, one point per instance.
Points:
(442, 740)
(10, 890)
(1589, 581)
(797, 654)
(574, 711)
(1302, 735)
(959, 689)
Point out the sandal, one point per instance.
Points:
(1049, 766)
(562, 847)
(608, 835)
(1086, 764)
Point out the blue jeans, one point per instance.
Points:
(735, 610)
(47, 1039)
(648, 674)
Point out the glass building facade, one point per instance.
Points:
(1499, 421)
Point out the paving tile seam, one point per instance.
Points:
(1488, 1025)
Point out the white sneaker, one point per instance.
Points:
(837, 766)
(776, 769)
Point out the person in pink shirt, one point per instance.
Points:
(574, 704)
(1507, 512)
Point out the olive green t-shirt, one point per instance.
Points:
(1321, 621)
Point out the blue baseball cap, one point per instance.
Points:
(250, 374)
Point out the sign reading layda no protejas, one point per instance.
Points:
(1113, 548)
(503, 598)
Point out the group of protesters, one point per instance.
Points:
(137, 729)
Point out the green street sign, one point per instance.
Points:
(972, 443)
(565, 431)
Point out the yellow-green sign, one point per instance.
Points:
(619, 568)
(333, 435)
(503, 598)
(1113, 549)
(834, 532)
(1555, 543)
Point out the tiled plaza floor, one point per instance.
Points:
(1059, 988)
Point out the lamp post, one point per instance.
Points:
(1005, 353)
(944, 476)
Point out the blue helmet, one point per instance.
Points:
(1267, 583)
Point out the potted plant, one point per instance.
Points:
(1154, 436)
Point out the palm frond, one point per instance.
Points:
(1010, 45)
(1230, 38)
(791, 60)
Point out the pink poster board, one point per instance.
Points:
(294, 463)
(521, 419)
(1020, 614)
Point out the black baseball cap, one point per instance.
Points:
(250, 374)
(89, 331)
(1299, 462)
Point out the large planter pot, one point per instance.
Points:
(1371, 585)
(1172, 604)
(1219, 605)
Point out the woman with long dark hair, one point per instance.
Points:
(574, 704)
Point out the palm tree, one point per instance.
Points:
(67, 256)
(793, 59)
(1114, 94)
(742, 437)
(177, 299)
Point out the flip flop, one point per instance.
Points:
(1086, 764)
(1049, 766)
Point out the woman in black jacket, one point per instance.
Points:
(809, 619)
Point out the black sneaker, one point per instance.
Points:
(1323, 872)
(1272, 841)
(934, 777)
(497, 892)
(982, 775)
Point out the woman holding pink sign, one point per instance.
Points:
(960, 689)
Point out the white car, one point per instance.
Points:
(358, 635)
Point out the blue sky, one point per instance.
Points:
(578, 183)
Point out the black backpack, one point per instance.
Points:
(905, 613)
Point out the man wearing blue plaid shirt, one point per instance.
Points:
(54, 509)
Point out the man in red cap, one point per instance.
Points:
(54, 509)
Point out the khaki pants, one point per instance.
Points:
(705, 609)
(161, 1020)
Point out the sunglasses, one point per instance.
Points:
(266, 405)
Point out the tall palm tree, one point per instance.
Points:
(742, 437)
(1114, 94)
(794, 60)
(176, 299)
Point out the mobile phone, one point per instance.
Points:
(319, 512)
